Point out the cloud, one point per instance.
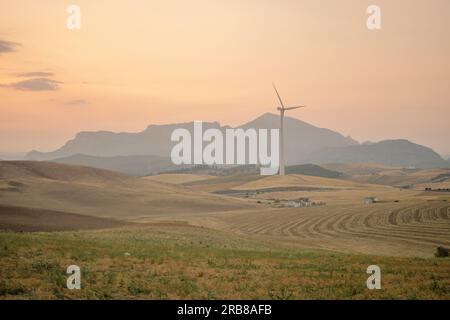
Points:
(34, 74)
(8, 46)
(39, 81)
(78, 102)
(36, 84)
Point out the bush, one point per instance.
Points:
(442, 252)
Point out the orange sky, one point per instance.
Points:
(137, 62)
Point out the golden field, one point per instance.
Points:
(198, 236)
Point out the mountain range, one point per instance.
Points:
(149, 151)
(399, 152)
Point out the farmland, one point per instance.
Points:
(187, 236)
(181, 262)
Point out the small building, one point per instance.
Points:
(297, 203)
(301, 202)
(370, 200)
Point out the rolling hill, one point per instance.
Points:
(101, 193)
(49, 196)
(394, 176)
(357, 168)
(179, 178)
(135, 165)
(401, 153)
(313, 170)
(240, 183)
(21, 219)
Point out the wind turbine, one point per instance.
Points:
(282, 110)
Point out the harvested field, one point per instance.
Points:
(192, 243)
(178, 178)
(21, 219)
(101, 193)
(170, 262)
(397, 229)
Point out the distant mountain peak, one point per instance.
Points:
(268, 115)
(304, 143)
(394, 152)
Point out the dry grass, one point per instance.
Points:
(392, 229)
(202, 245)
(378, 174)
(20, 219)
(196, 263)
(295, 180)
(102, 193)
(358, 168)
(179, 178)
(223, 183)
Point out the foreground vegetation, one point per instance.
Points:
(182, 262)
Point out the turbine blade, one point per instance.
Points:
(279, 98)
(292, 108)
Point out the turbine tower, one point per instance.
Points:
(282, 110)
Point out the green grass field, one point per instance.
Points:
(183, 262)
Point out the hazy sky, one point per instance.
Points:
(134, 63)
